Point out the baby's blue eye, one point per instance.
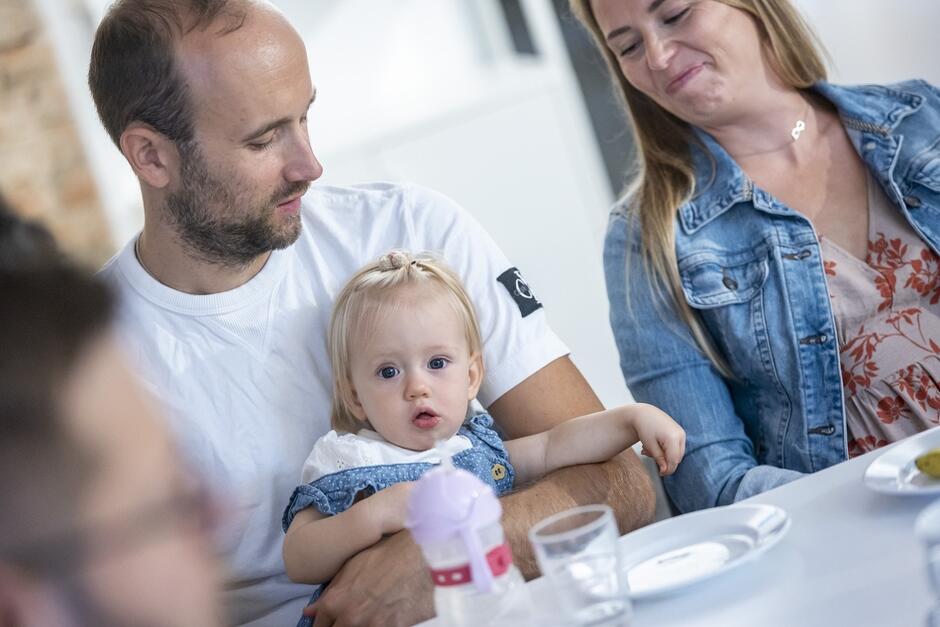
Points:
(437, 363)
(388, 372)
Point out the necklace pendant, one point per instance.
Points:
(798, 129)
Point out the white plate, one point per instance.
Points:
(894, 472)
(681, 551)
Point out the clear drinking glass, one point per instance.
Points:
(577, 552)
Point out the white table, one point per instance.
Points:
(849, 558)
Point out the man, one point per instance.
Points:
(228, 289)
(98, 526)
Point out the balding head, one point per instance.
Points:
(134, 73)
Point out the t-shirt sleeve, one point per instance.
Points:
(517, 340)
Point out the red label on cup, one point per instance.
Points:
(498, 558)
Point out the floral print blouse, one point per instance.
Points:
(888, 325)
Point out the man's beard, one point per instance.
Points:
(210, 237)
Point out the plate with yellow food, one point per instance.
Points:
(911, 466)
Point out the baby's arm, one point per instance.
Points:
(596, 438)
(316, 546)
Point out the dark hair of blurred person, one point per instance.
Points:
(22, 243)
(98, 524)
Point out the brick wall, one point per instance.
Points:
(43, 170)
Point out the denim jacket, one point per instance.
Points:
(751, 269)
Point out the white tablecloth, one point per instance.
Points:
(849, 558)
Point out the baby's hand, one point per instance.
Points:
(663, 439)
(389, 507)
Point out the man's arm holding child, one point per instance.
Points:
(387, 583)
(551, 396)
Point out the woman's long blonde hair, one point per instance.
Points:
(663, 175)
(374, 291)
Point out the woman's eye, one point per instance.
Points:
(678, 16)
(629, 50)
(388, 372)
(437, 363)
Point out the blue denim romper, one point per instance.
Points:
(335, 493)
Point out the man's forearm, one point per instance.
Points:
(621, 483)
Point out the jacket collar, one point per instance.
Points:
(720, 183)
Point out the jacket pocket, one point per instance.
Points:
(713, 279)
(925, 167)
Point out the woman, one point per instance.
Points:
(773, 272)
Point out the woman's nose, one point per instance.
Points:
(659, 52)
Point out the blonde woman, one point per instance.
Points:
(773, 271)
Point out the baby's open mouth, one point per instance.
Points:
(426, 420)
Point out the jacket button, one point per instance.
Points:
(730, 283)
(800, 256)
(912, 201)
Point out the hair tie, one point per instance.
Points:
(395, 260)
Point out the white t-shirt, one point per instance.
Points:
(244, 375)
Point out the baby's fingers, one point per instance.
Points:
(654, 449)
(674, 448)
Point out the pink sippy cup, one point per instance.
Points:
(455, 519)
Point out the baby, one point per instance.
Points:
(407, 360)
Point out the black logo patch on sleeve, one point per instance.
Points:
(519, 290)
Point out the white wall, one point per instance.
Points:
(878, 41)
(428, 91)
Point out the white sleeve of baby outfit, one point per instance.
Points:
(517, 340)
(334, 452)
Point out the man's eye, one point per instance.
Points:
(261, 145)
(437, 363)
(388, 372)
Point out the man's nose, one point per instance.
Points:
(302, 165)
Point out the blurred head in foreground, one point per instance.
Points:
(98, 525)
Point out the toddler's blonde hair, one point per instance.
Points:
(375, 291)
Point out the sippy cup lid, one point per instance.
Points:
(446, 502)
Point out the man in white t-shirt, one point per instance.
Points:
(227, 293)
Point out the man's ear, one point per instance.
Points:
(153, 157)
(476, 375)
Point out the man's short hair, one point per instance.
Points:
(133, 73)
